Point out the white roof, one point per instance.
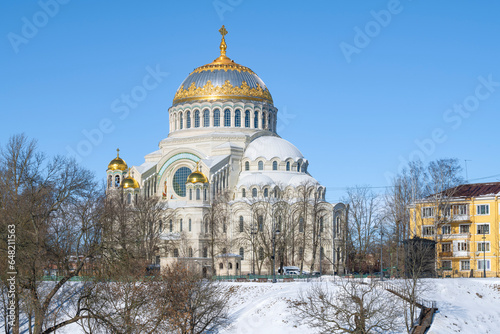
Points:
(269, 147)
(272, 178)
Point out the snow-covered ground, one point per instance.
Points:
(465, 306)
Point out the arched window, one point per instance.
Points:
(254, 192)
(171, 226)
(197, 119)
(288, 166)
(190, 252)
(230, 265)
(188, 120)
(110, 181)
(221, 266)
(263, 120)
(266, 192)
(190, 194)
(237, 118)
(180, 225)
(256, 119)
(117, 181)
(181, 121)
(206, 226)
(247, 165)
(189, 224)
(160, 226)
(338, 225)
(243, 193)
(242, 253)
(241, 224)
(224, 229)
(261, 165)
(216, 117)
(260, 221)
(198, 194)
(301, 224)
(176, 252)
(174, 118)
(247, 118)
(205, 194)
(206, 118)
(275, 165)
(321, 227)
(129, 198)
(276, 192)
(227, 117)
(269, 125)
(261, 253)
(298, 167)
(205, 252)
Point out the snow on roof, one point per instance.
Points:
(270, 147)
(272, 178)
(145, 167)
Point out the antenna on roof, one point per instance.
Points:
(466, 173)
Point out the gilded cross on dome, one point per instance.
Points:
(117, 152)
(223, 45)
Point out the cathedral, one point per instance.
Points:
(222, 143)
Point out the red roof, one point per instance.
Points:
(474, 190)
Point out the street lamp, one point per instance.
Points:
(276, 232)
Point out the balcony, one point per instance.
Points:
(461, 218)
(445, 254)
(461, 254)
(455, 236)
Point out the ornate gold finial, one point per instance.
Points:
(117, 152)
(223, 45)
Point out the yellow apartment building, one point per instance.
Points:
(464, 222)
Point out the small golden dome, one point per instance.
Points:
(130, 182)
(197, 176)
(117, 163)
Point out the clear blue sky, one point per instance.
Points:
(354, 120)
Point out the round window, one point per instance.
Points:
(179, 182)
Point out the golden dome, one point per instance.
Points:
(197, 176)
(117, 163)
(222, 79)
(130, 182)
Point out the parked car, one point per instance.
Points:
(291, 270)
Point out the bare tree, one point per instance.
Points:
(216, 221)
(348, 306)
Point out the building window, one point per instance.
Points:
(216, 117)
(263, 120)
(188, 120)
(462, 246)
(427, 212)
(221, 266)
(190, 252)
(465, 265)
(176, 252)
(227, 117)
(243, 193)
(198, 194)
(197, 119)
(205, 252)
(180, 225)
(241, 224)
(446, 265)
(288, 166)
(483, 246)
(179, 181)
(261, 253)
(206, 118)
(321, 225)
(483, 209)
(480, 264)
(266, 192)
(190, 194)
(427, 231)
(261, 165)
(247, 118)
(237, 118)
(224, 228)
(224, 250)
(301, 224)
(189, 225)
(460, 210)
(181, 121)
(321, 253)
(275, 165)
(464, 228)
(446, 247)
(117, 181)
(260, 220)
(301, 253)
(256, 119)
(247, 165)
(230, 265)
(338, 225)
(160, 226)
(205, 194)
(298, 167)
(254, 192)
(446, 229)
(129, 198)
(483, 229)
(242, 253)
(171, 226)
